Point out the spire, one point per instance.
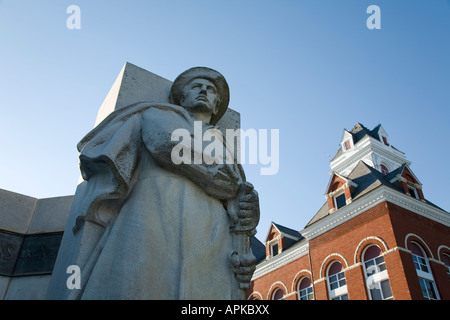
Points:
(371, 146)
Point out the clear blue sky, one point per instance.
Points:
(308, 68)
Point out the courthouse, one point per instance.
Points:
(376, 237)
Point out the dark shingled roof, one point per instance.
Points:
(258, 249)
(289, 231)
(358, 133)
(367, 179)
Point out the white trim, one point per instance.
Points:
(366, 239)
(420, 244)
(255, 293)
(270, 293)
(292, 254)
(340, 193)
(339, 291)
(438, 252)
(370, 200)
(268, 232)
(364, 147)
(296, 275)
(328, 261)
(271, 248)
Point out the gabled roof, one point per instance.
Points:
(288, 231)
(399, 172)
(367, 179)
(258, 249)
(290, 236)
(336, 177)
(359, 132)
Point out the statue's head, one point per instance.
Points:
(201, 88)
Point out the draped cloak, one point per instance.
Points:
(149, 229)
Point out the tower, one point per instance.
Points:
(371, 146)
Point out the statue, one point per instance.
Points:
(150, 228)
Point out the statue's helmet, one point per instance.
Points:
(215, 77)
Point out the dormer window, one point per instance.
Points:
(274, 249)
(413, 192)
(339, 192)
(384, 170)
(347, 145)
(339, 201)
(385, 140)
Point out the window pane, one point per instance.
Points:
(274, 249)
(428, 289)
(347, 145)
(306, 294)
(375, 292)
(369, 263)
(278, 294)
(306, 282)
(379, 260)
(415, 249)
(340, 201)
(412, 192)
(372, 252)
(386, 289)
(336, 267)
(423, 286)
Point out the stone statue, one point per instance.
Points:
(149, 227)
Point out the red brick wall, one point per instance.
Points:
(386, 225)
(286, 276)
(430, 235)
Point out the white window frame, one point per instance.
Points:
(421, 273)
(414, 189)
(307, 292)
(335, 200)
(271, 245)
(378, 277)
(340, 290)
(275, 292)
(387, 168)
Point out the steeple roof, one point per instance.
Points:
(367, 179)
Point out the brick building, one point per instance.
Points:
(376, 236)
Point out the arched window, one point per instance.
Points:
(337, 286)
(446, 261)
(384, 170)
(278, 294)
(424, 273)
(305, 290)
(377, 279)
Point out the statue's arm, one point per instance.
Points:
(221, 181)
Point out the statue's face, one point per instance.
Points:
(200, 96)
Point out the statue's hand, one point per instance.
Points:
(243, 267)
(247, 208)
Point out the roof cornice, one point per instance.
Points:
(377, 196)
(364, 147)
(291, 254)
